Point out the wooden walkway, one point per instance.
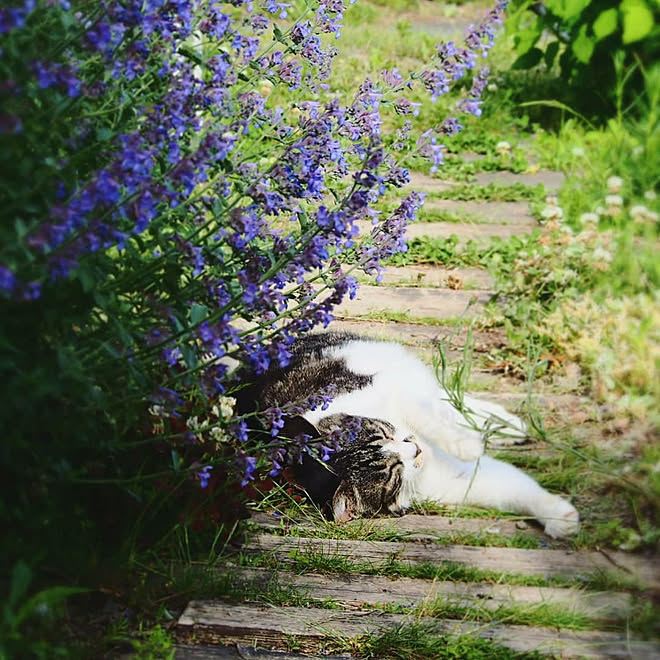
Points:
(486, 577)
(360, 602)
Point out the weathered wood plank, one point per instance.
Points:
(435, 276)
(546, 562)
(413, 526)
(361, 589)
(274, 627)
(243, 651)
(506, 213)
(415, 301)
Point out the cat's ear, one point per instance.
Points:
(335, 422)
(297, 425)
(344, 503)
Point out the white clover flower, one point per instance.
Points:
(639, 212)
(492, 87)
(552, 200)
(603, 255)
(227, 404)
(650, 196)
(600, 210)
(637, 151)
(193, 423)
(218, 434)
(589, 218)
(614, 200)
(503, 147)
(552, 213)
(614, 184)
(578, 152)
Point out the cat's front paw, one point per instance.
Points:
(563, 519)
(467, 447)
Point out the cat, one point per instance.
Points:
(409, 442)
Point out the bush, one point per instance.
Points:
(602, 48)
(162, 217)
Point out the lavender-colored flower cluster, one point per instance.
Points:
(204, 214)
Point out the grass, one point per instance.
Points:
(421, 641)
(539, 614)
(514, 192)
(395, 316)
(366, 530)
(311, 561)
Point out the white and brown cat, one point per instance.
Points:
(412, 444)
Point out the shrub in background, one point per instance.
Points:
(600, 46)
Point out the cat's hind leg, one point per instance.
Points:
(490, 483)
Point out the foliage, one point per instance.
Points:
(28, 620)
(167, 217)
(598, 44)
(156, 644)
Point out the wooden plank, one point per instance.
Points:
(243, 651)
(434, 276)
(506, 213)
(275, 627)
(548, 563)
(377, 589)
(415, 301)
(413, 526)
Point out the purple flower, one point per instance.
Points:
(204, 476)
(250, 465)
(8, 280)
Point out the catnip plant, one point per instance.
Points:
(162, 217)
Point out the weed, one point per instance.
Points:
(153, 644)
(421, 640)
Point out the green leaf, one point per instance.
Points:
(583, 46)
(86, 278)
(198, 313)
(176, 460)
(637, 20)
(526, 39)
(551, 53)
(605, 24)
(21, 577)
(568, 10)
(529, 59)
(189, 53)
(104, 134)
(48, 598)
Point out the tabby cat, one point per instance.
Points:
(409, 442)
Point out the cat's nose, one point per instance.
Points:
(418, 449)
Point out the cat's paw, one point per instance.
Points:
(467, 446)
(562, 519)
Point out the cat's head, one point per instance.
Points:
(374, 472)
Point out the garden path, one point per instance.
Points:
(502, 579)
